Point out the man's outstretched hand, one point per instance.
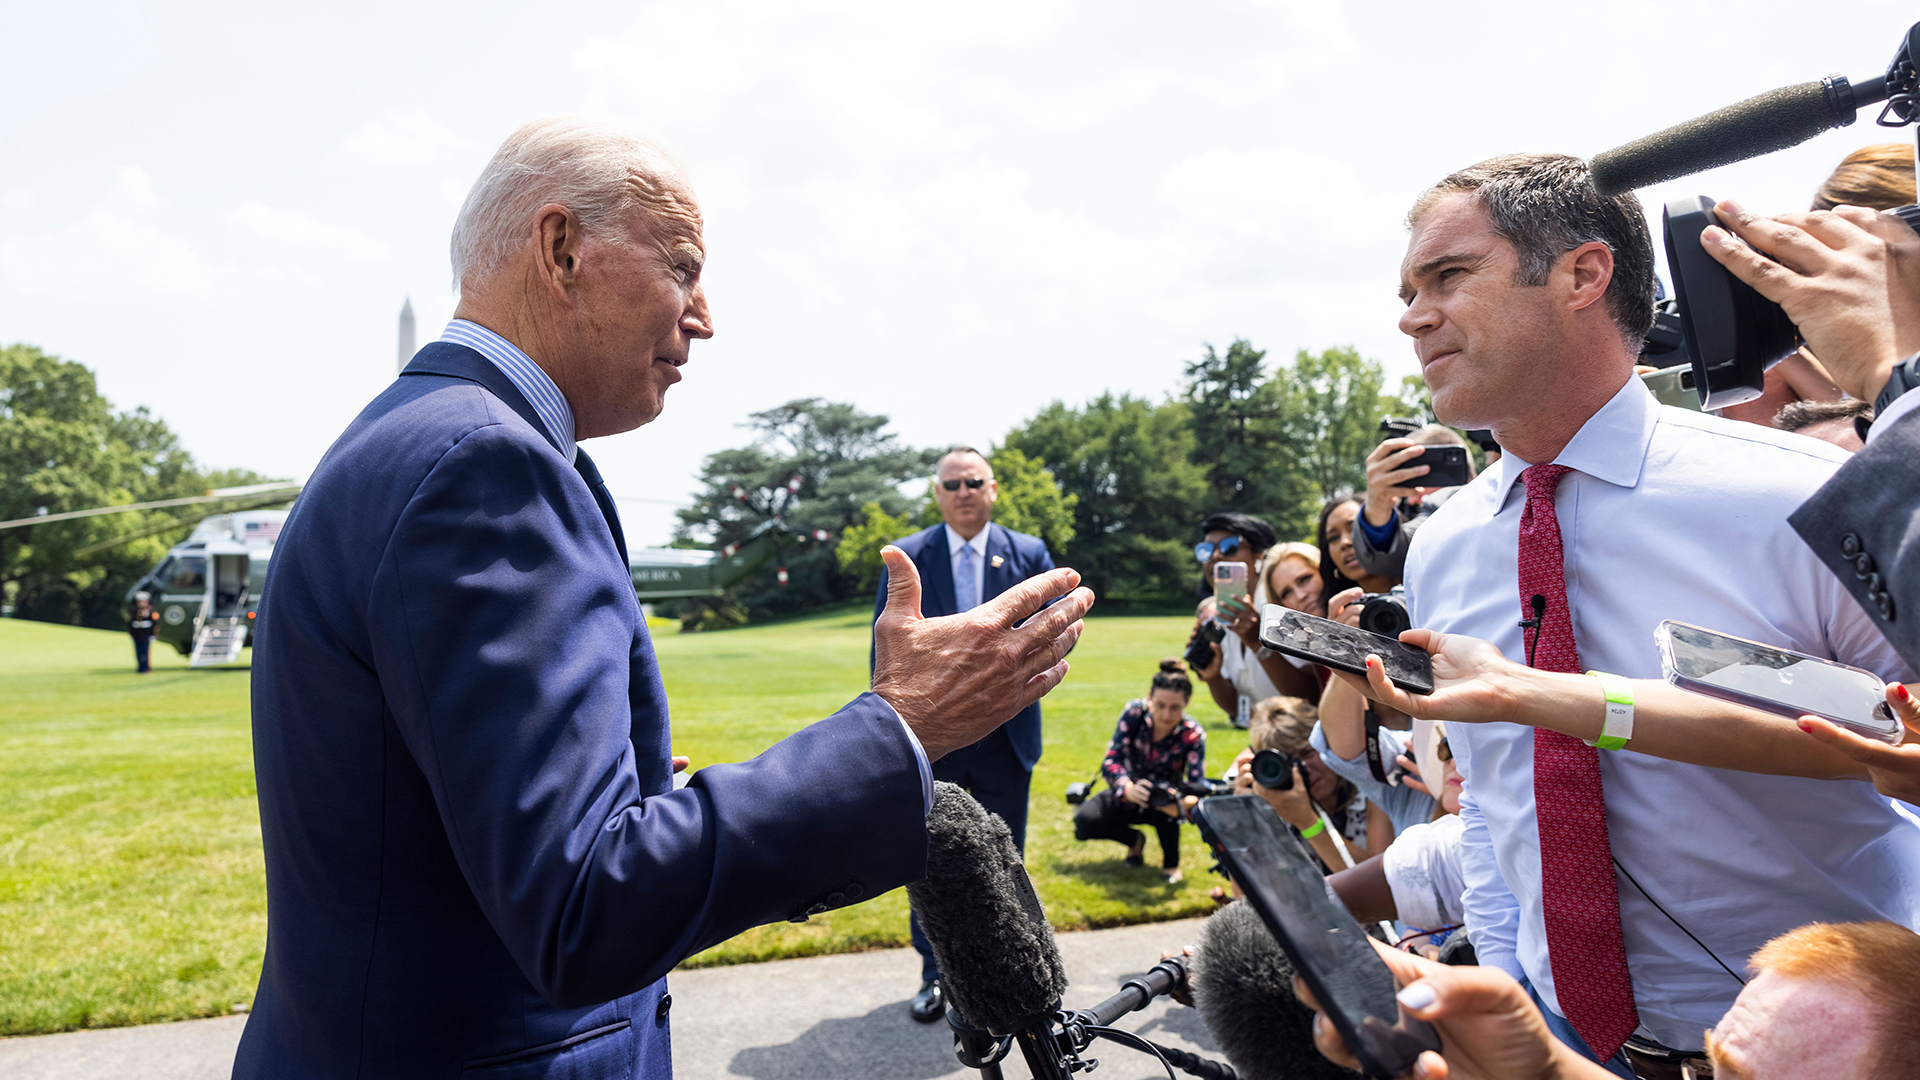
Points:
(955, 679)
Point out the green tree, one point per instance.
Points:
(64, 448)
(1330, 421)
(1126, 464)
(858, 551)
(1236, 424)
(1031, 500)
(844, 459)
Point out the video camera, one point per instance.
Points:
(1732, 334)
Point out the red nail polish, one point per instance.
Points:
(1900, 691)
(1805, 726)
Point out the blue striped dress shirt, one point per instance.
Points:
(541, 393)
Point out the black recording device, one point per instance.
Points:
(1731, 333)
(1385, 613)
(1273, 769)
(1446, 465)
(1200, 653)
(998, 961)
(1327, 948)
(1345, 648)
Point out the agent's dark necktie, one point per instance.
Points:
(584, 465)
(1579, 896)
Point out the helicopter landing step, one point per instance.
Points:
(218, 642)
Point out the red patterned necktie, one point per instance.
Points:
(1579, 896)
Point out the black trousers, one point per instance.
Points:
(991, 772)
(1107, 816)
(140, 647)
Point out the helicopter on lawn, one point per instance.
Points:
(678, 573)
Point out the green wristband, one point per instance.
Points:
(1617, 727)
(1314, 829)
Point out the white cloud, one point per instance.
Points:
(112, 248)
(297, 232)
(403, 139)
(19, 202)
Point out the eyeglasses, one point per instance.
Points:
(1226, 546)
(974, 483)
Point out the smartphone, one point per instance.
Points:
(1284, 884)
(1673, 386)
(1229, 583)
(1778, 681)
(1446, 467)
(1344, 648)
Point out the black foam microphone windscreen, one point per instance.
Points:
(998, 961)
(1243, 987)
(1759, 125)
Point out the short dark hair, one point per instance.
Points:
(1803, 414)
(1545, 205)
(1245, 526)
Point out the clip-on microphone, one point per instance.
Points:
(1539, 604)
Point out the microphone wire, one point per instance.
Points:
(1128, 1038)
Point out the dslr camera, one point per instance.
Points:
(1386, 613)
(1273, 769)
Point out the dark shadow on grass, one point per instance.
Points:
(885, 1043)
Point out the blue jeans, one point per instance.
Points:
(1562, 1029)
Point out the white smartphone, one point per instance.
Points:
(1778, 681)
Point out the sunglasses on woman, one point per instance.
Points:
(1226, 546)
(974, 483)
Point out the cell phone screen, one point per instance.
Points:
(1344, 648)
(1320, 936)
(1775, 680)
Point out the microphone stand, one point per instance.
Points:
(1053, 1044)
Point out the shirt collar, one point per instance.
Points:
(526, 376)
(978, 543)
(1611, 445)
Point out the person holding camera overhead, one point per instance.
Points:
(1237, 669)
(1156, 748)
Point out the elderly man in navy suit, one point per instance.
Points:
(963, 562)
(476, 863)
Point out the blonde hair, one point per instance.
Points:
(1878, 177)
(1292, 549)
(1283, 723)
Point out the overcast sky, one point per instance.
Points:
(951, 214)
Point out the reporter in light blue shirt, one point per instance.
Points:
(1539, 344)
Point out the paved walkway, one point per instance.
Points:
(843, 1017)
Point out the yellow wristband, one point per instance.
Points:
(1314, 829)
(1617, 727)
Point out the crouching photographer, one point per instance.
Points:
(1157, 754)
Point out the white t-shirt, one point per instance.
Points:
(1423, 870)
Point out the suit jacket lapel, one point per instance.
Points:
(936, 573)
(999, 578)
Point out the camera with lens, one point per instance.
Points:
(1200, 654)
(1273, 769)
(1385, 613)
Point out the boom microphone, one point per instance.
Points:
(1243, 987)
(1760, 125)
(998, 961)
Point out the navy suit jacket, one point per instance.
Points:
(1021, 557)
(475, 862)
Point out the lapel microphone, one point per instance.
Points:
(1539, 604)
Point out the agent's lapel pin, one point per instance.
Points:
(997, 560)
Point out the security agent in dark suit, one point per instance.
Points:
(963, 562)
(1849, 279)
(475, 862)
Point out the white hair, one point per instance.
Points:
(595, 169)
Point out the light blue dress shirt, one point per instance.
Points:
(526, 376)
(1404, 806)
(1670, 515)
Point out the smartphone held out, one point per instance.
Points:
(1345, 648)
(1229, 585)
(1778, 681)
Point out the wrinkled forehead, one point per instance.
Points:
(665, 206)
(1456, 224)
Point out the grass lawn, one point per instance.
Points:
(130, 869)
